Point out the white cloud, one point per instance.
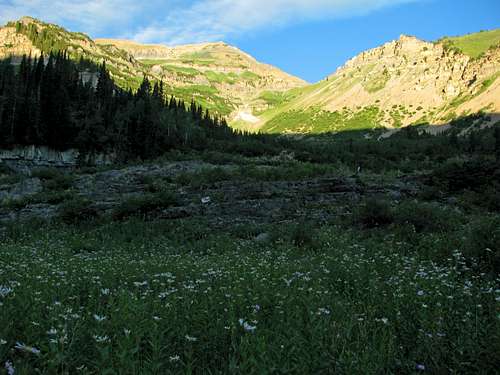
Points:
(208, 20)
(88, 16)
(183, 21)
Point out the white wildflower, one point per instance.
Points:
(323, 311)
(191, 338)
(10, 368)
(175, 358)
(99, 318)
(5, 291)
(3, 342)
(25, 348)
(105, 291)
(246, 326)
(101, 339)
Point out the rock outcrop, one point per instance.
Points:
(24, 159)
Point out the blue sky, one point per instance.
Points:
(308, 38)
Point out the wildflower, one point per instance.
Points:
(10, 369)
(52, 332)
(246, 326)
(99, 318)
(420, 367)
(105, 291)
(3, 342)
(156, 318)
(191, 338)
(175, 358)
(101, 339)
(323, 311)
(420, 293)
(126, 332)
(206, 200)
(5, 291)
(25, 348)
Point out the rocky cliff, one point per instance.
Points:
(403, 82)
(25, 159)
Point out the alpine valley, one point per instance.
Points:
(404, 82)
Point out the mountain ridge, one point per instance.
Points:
(402, 82)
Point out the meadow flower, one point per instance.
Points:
(9, 368)
(101, 339)
(5, 291)
(25, 348)
(191, 338)
(174, 358)
(323, 311)
(126, 332)
(3, 342)
(246, 326)
(105, 291)
(420, 367)
(99, 318)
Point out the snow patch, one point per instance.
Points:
(246, 117)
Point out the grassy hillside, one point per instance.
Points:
(473, 45)
(233, 81)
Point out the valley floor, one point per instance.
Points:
(287, 268)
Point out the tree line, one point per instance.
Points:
(49, 101)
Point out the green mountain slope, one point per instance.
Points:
(473, 45)
(33, 37)
(221, 77)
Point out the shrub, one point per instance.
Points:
(303, 235)
(423, 216)
(483, 244)
(457, 175)
(53, 179)
(372, 213)
(143, 205)
(16, 204)
(76, 211)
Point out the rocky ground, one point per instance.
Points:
(221, 200)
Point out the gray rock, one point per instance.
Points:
(263, 237)
(27, 187)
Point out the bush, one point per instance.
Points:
(53, 179)
(76, 211)
(483, 244)
(457, 175)
(372, 213)
(423, 216)
(303, 235)
(143, 205)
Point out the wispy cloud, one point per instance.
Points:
(208, 20)
(184, 21)
(88, 16)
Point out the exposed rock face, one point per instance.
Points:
(17, 44)
(411, 72)
(13, 44)
(410, 80)
(24, 159)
